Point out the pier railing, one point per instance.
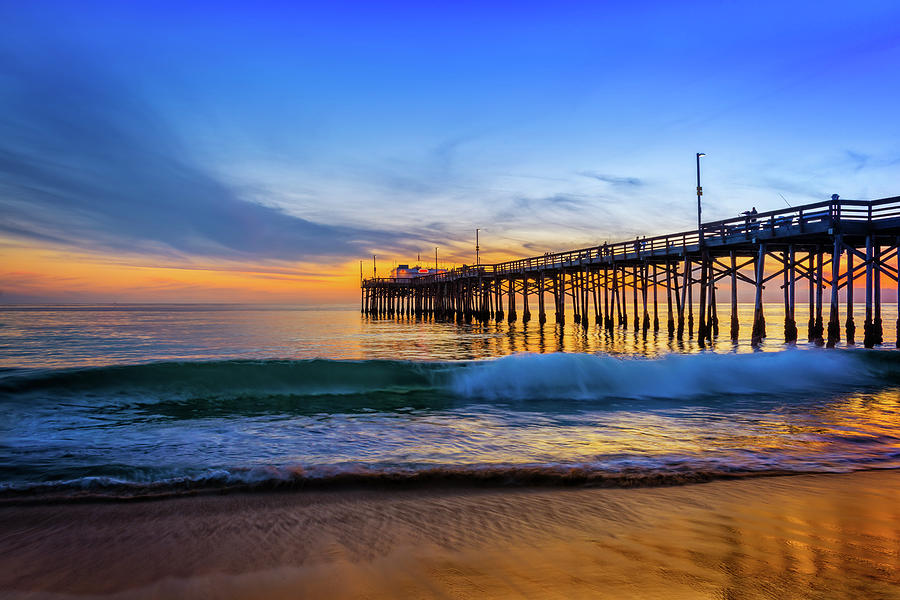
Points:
(816, 217)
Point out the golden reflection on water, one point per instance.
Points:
(751, 434)
(104, 335)
(423, 338)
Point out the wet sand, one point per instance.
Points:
(811, 536)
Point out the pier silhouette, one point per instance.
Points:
(825, 245)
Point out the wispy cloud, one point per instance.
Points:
(86, 164)
(858, 160)
(804, 191)
(626, 182)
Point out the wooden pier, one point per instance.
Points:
(828, 245)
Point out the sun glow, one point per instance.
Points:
(47, 275)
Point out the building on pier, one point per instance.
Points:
(407, 272)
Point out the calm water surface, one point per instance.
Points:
(119, 399)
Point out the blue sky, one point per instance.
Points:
(279, 134)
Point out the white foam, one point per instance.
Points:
(592, 376)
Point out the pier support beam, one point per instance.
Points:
(559, 296)
(810, 275)
(584, 297)
(876, 323)
(819, 333)
(607, 317)
(614, 307)
(682, 297)
(526, 310)
(868, 329)
(759, 321)
(575, 294)
(645, 325)
(735, 324)
(670, 316)
(689, 282)
(635, 277)
(834, 325)
(655, 298)
(511, 317)
(702, 322)
(897, 244)
(790, 280)
(850, 324)
(542, 315)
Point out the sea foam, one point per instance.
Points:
(589, 376)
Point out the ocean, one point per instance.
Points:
(133, 401)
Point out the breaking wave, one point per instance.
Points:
(515, 377)
(586, 376)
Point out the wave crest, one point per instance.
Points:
(517, 377)
(587, 376)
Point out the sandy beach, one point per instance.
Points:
(809, 536)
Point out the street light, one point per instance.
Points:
(477, 258)
(699, 193)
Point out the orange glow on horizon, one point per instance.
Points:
(47, 275)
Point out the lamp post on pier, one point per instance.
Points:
(699, 193)
(703, 327)
(477, 249)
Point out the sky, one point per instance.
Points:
(257, 152)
